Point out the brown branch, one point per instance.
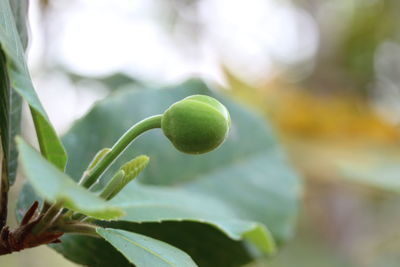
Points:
(4, 188)
(23, 237)
(38, 229)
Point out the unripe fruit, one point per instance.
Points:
(197, 124)
(194, 125)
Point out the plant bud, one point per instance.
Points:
(197, 124)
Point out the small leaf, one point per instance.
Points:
(50, 146)
(100, 155)
(144, 251)
(19, 79)
(56, 186)
(110, 190)
(134, 167)
(125, 175)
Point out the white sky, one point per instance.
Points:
(103, 36)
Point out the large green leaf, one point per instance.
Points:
(205, 248)
(156, 204)
(144, 251)
(240, 189)
(96, 252)
(55, 186)
(248, 172)
(10, 121)
(20, 11)
(18, 78)
(10, 101)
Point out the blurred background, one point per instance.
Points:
(326, 74)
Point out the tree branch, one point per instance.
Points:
(4, 188)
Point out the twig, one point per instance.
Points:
(3, 194)
(23, 237)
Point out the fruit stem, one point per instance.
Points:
(91, 176)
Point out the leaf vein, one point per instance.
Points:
(144, 248)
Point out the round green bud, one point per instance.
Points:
(197, 124)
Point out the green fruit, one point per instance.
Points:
(196, 124)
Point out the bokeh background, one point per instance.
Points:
(326, 74)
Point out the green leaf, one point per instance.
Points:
(97, 252)
(10, 121)
(207, 245)
(99, 156)
(156, 204)
(20, 10)
(19, 79)
(124, 176)
(55, 186)
(10, 101)
(249, 171)
(11, 104)
(144, 251)
(240, 189)
(134, 167)
(202, 247)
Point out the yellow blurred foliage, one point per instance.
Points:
(298, 113)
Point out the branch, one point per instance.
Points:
(4, 188)
(23, 237)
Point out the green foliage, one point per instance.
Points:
(125, 175)
(18, 79)
(238, 189)
(20, 11)
(99, 156)
(10, 108)
(97, 252)
(10, 120)
(92, 176)
(145, 251)
(370, 25)
(228, 197)
(235, 191)
(134, 167)
(55, 186)
(144, 203)
(208, 249)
